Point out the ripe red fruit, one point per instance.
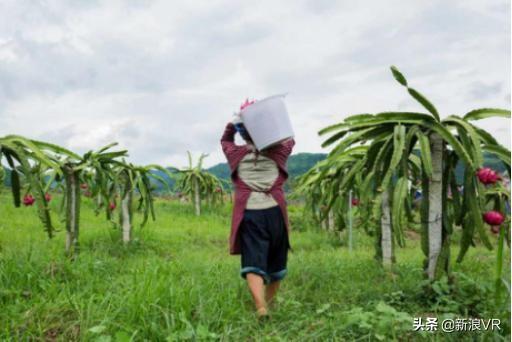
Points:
(218, 190)
(84, 186)
(487, 176)
(112, 206)
(355, 202)
(47, 197)
(493, 218)
(28, 200)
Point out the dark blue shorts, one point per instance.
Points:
(264, 244)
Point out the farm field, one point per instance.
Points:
(142, 142)
(176, 281)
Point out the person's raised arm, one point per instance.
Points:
(227, 140)
(229, 133)
(284, 148)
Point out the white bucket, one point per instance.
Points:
(267, 121)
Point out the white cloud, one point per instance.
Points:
(163, 77)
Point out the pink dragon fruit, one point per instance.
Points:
(493, 218)
(28, 200)
(487, 176)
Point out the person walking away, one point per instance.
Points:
(259, 227)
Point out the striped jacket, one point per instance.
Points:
(234, 154)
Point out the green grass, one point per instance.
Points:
(176, 281)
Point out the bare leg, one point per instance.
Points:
(257, 288)
(271, 291)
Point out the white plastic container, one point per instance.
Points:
(267, 121)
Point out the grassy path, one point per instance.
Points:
(177, 282)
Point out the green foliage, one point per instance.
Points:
(425, 154)
(321, 186)
(300, 220)
(424, 102)
(19, 153)
(398, 76)
(414, 93)
(383, 323)
(397, 210)
(101, 171)
(198, 183)
(484, 113)
(176, 280)
(461, 295)
(127, 179)
(392, 139)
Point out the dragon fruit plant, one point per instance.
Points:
(26, 158)
(127, 182)
(198, 183)
(392, 139)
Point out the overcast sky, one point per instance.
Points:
(164, 77)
